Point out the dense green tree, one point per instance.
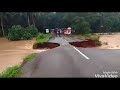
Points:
(81, 26)
(98, 21)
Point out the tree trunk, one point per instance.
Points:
(33, 20)
(2, 25)
(28, 20)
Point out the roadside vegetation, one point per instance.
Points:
(17, 32)
(87, 36)
(26, 25)
(95, 22)
(15, 71)
(92, 37)
(42, 38)
(11, 72)
(29, 58)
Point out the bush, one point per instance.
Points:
(25, 35)
(40, 36)
(14, 33)
(32, 30)
(19, 33)
(41, 39)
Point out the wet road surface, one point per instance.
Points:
(69, 61)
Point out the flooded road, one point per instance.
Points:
(13, 52)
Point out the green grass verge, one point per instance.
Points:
(11, 72)
(29, 58)
(87, 36)
(15, 71)
(41, 38)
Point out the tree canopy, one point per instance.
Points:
(90, 21)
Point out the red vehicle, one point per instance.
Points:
(68, 31)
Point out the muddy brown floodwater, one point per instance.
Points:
(13, 52)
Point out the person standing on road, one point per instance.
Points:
(55, 32)
(59, 33)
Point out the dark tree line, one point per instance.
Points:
(83, 21)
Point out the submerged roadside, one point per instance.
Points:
(14, 54)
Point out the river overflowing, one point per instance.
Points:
(13, 52)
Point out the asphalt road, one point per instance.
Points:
(69, 61)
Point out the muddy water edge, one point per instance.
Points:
(13, 52)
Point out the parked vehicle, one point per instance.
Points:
(68, 31)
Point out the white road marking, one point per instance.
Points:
(65, 39)
(66, 42)
(80, 52)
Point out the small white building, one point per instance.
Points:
(47, 30)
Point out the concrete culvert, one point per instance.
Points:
(48, 45)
